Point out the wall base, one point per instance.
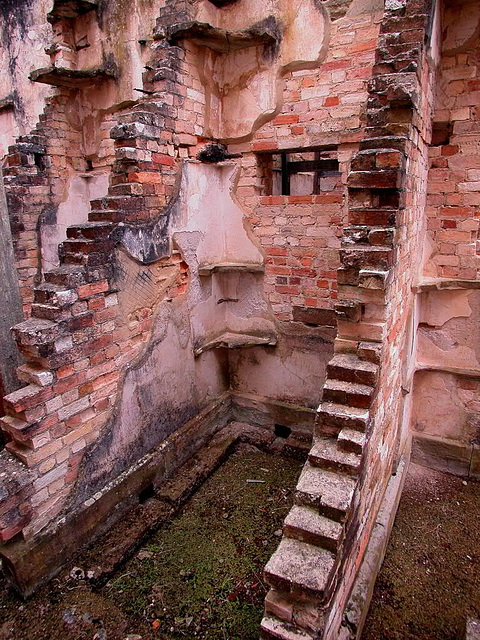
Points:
(30, 563)
(359, 602)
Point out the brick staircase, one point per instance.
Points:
(303, 570)
(70, 321)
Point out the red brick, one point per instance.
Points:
(450, 149)
(267, 145)
(332, 101)
(290, 118)
(92, 289)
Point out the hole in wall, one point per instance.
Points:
(301, 172)
(441, 132)
(281, 431)
(146, 494)
(39, 161)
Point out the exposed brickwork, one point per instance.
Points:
(346, 260)
(453, 204)
(78, 334)
(387, 186)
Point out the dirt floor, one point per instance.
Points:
(200, 576)
(430, 581)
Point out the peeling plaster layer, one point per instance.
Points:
(446, 405)
(448, 335)
(160, 393)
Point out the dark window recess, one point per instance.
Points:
(281, 431)
(146, 494)
(298, 173)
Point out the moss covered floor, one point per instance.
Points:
(199, 576)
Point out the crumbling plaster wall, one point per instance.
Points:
(102, 360)
(24, 34)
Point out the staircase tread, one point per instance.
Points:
(353, 435)
(343, 410)
(326, 488)
(327, 449)
(92, 225)
(366, 248)
(282, 630)
(34, 324)
(302, 565)
(348, 387)
(310, 520)
(351, 361)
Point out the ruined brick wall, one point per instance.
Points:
(83, 336)
(400, 116)
(445, 414)
(361, 428)
(300, 234)
(453, 201)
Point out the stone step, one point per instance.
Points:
(66, 277)
(273, 629)
(22, 452)
(350, 368)
(329, 492)
(127, 203)
(37, 331)
(26, 398)
(82, 246)
(351, 440)
(92, 259)
(55, 295)
(349, 393)
(368, 235)
(372, 217)
(332, 418)
(300, 569)
(370, 352)
(326, 454)
(130, 189)
(307, 525)
(50, 312)
(360, 256)
(90, 230)
(107, 215)
(34, 374)
(26, 434)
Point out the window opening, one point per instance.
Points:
(302, 172)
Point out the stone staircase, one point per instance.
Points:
(302, 572)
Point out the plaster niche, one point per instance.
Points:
(75, 63)
(228, 306)
(246, 48)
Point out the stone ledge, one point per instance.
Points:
(441, 284)
(73, 78)
(444, 454)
